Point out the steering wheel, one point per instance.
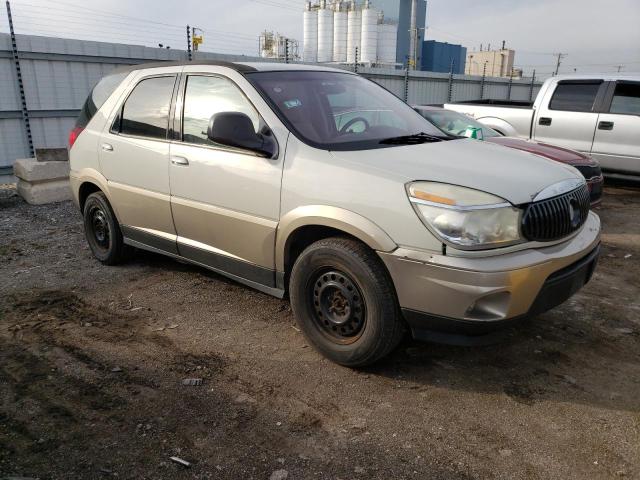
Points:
(346, 126)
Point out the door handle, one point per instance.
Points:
(605, 125)
(545, 121)
(107, 147)
(180, 161)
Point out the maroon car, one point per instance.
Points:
(458, 124)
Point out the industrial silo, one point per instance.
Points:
(387, 41)
(354, 29)
(369, 37)
(310, 34)
(339, 33)
(325, 33)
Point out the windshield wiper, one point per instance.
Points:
(413, 139)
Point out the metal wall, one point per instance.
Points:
(58, 74)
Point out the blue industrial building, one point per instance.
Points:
(437, 57)
(400, 11)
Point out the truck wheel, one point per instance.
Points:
(344, 302)
(102, 230)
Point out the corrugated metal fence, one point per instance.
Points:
(58, 74)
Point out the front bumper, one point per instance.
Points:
(478, 295)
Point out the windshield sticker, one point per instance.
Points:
(292, 103)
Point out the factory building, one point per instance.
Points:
(441, 56)
(380, 30)
(278, 47)
(499, 63)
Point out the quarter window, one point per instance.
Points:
(574, 97)
(626, 99)
(146, 111)
(206, 96)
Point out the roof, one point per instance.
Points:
(599, 76)
(240, 67)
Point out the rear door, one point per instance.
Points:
(134, 157)
(616, 144)
(569, 118)
(225, 201)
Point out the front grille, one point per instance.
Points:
(556, 217)
(589, 171)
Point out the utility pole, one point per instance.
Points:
(560, 57)
(189, 55)
(533, 80)
(23, 97)
(355, 65)
(450, 86)
(620, 68)
(286, 50)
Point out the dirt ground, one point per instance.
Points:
(92, 361)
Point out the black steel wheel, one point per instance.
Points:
(344, 302)
(102, 230)
(340, 309)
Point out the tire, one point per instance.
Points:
(102, 230)
(344, 302)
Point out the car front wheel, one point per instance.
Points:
(344, 302)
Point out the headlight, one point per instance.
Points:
(467, 218)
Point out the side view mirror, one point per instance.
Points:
(235, 129)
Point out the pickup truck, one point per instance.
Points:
(595, 114)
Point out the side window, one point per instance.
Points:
(574, 97)
(206, 96)
(626, 99)
(146, 112)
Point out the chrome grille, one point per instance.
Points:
(556, 217)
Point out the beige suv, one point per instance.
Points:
(318, 184)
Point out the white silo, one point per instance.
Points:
(354, 29)
(325, 33)
(339, 33)
(387, 41)
(310, 35)
(369, 37)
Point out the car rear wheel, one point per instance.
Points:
(102, 230)
(344, 302)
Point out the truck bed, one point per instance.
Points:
(497, 103)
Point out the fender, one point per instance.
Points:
(91, 175)
(327, 216)
(499, 124)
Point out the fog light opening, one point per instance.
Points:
(490, 307)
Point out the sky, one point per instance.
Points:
(595, 36)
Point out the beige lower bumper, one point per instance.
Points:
(490, 288)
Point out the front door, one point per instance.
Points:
(616, 144)
(134, 157)
(569, 120)
(225, 201)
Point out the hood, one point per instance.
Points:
(559, 154)
(513, 175)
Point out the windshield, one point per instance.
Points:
(455, 123)
(341, 111)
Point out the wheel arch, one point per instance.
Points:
(304, 225)
(501, 126)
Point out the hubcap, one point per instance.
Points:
(100, 227)
(338, 306)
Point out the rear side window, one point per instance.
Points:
(145, 113)
(626, 99)
(574, 97)
(98, 95)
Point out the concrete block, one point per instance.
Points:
(44, 192)
(30, 170)
(52, 154)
